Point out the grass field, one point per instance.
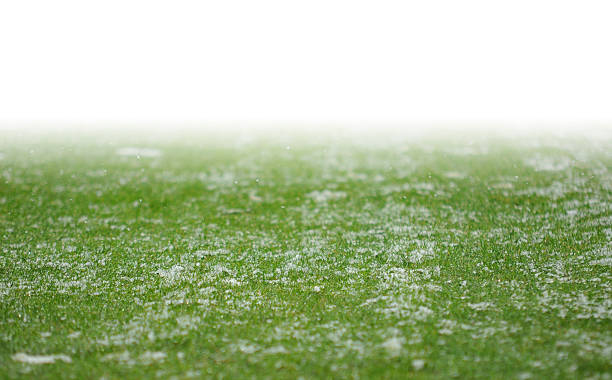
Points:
(234, 255)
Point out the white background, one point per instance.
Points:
(79, 61)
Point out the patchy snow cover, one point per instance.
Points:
(387, 254)
(146, 358)
(556, 190)
(419, 255)
(149, 357)
(455, 175)
(418, 364)
(138, 152)
(481, 306)
(123, 357)
(602, 256)
(276, 350)
(423, 188)
(544, 163)
(605, 261)
(393, 346)
(326, 195)
(40, 359)
(172, 274)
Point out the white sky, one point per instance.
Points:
(305, 62)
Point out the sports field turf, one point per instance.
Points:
(244, 255)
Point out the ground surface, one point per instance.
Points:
(238, 256)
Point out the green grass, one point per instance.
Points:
(234, 255)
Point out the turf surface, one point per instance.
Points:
(243, 255)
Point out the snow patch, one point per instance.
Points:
(138, 152)
(172, 274)
(605, 261)
(418, 364)
(544, 163)
(481, 306)
(326, 195)
(276, 350)
(393, 346)
(40, 359)
(419, 255)
(149, 357)
(455, 175)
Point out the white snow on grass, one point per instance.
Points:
(326, 195)
(605, 261)
(455, 175)
(423, 188)
(123, 357)
(146, 358)
(545, 163)
(40, 359)
(418, 364)
(603, 256)
(481, 306)
(149, 357)
(393, 346)
(556, 190)
(419, 255)
(171, 275)
(276, 350)
(138, 152)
